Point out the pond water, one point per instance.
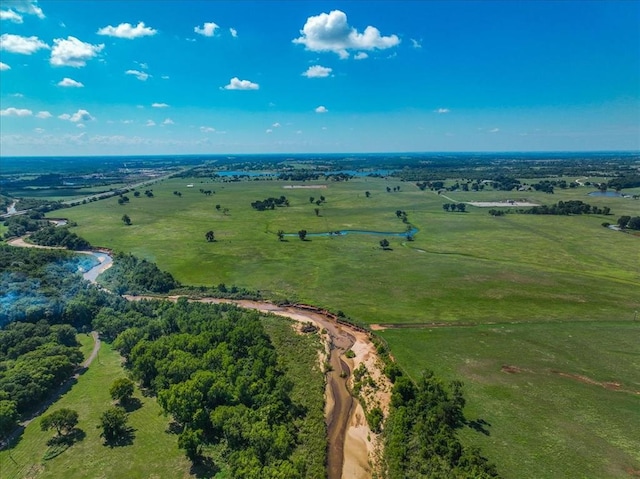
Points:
(608, 194)
(404, 234)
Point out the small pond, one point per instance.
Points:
(608, 194)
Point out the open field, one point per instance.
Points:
(568, 280)
(463, 267)
(559, 399)
(153, 453)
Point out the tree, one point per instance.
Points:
(121, 390)
(623, 221)
(384, 244)
(302, 234)
(114, 424)
(367, 194)
(63, 421)
(126, 220)
(218, 207)
(191, 441)
(8, 417)
(461, 207)
(280, 235)
(317, 211)
(210, 236)
(311, 199)
(634, 223)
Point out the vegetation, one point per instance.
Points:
(59, 236)
(130, 275)
(571, 207)
(63, 421)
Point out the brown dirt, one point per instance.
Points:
(610, 385)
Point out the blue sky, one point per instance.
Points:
(165, 77)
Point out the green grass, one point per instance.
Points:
(154, 453)
(461, 267)
(542, 423)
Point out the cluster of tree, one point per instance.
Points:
(59, 236)
(132, 275)
(206, 192)
(299, 175)
(628, 222)
(270, 203)
(461, 207)
(123, 200)
(629, 180)
(216, 372)
(394, 189)
(319, 201)
(494, 212)
(572, 207)
(35, 359)
(148, 193)
(23, 224)
(420, 433)
(545, 186)
(210, 236)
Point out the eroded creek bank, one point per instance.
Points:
(352, 447)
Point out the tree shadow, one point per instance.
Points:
(480, 425)
(131, 404)
(204, 468)
(124, 439)
(59, 444)
(174, 428)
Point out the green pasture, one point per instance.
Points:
(462, 267)
(153, 453)
(559, 399)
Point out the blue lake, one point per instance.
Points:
(608, 194)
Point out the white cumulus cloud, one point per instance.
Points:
(128, 31)
(69, 82)
(415, 43)
(317, 71)
(80, 115)
(330, 32)
(168, 121)
(268, 130)
(321, 109)
(159, 105)
(73, 52)
(442, 110)
(207, 129)
(15, 112)
(142, 76)
(360, 56)
(44, 115)
(276, 125)
(234, 32)
(4, 66)
(207, 30)
(236, 84)
(11, 16)
(494, 130)
(19, 44)
(150, 123)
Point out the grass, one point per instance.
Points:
(466, 267)
(153, 453)
(298, 356)
(538, 386)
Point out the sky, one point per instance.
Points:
(149, 77)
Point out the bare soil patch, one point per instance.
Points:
(305, 187)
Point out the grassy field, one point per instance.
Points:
(461, 267)
(559, 399)
(153, 453)
(541, 293)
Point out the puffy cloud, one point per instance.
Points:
(11, 16)
(73, 52)
(442, 110)
(494, 130)
(321, 109)
(330, 32)
(159, 105)
(4, 66)
(128, 31)
(317, 71)
(16, 7)
(80, 125)
(276, 125)
(142, 76)
(19, 44)
(68, 82)
(236, 84)
(234, 32)
(360, 56)
(15, 112)
(150, 123)
(165, 77)
(80, 115)
(168, 121)
(44, 115)
(207, 30)
(416, 43)
(207, 129)
(268, 130)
